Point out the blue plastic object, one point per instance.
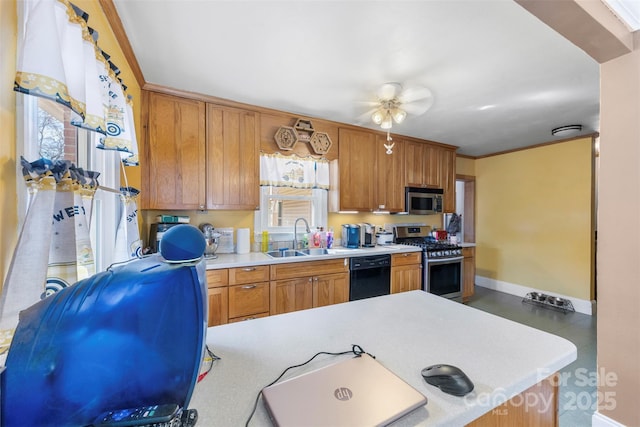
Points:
(182, 243)
(128, 337)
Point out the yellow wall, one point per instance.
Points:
(245, 219)
(8, 157)
(8, 214)
(465, 166)
(533, 222)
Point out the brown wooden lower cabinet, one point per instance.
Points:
(291, 295)
(248, 299)
(528, 408)
(218, 306)
(330, 289)
(468, 273)
(218, 296)
(302, 285)
(406, 272)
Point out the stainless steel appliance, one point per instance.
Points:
(441, 261)
(367, 235)
(423, 201)
(384, 238)
(351, 236)
(370, 276)
(211, 237)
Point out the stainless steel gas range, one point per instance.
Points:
(441, 261)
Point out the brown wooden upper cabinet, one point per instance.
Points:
(174, 166)
(432, 166)
(369, 179)
(200, 155)
(233, 162)
(424, 168)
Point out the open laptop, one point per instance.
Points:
(354, 392)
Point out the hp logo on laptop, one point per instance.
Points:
(343, 393)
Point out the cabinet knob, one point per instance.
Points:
(249, 269)
(248, 286)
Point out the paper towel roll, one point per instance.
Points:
(243, 245)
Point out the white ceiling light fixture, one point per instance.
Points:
(393, 105)
(565, 131)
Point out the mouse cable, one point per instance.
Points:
(355, 349)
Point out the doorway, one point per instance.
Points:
(466, 206)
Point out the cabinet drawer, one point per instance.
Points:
(253, 274)
(217, 278)
(406, 258)
(309, 268)
(248, 299)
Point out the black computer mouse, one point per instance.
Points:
(449, 379)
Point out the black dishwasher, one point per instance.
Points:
(370, 276)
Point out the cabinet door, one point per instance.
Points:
(468, 273)
(357, 162)
(291, 295)
(448, 160)
(423, 165)
(175, 154)
(218, 306)
(233, 164)
(390, 179)
(330, 289)
(406, 278)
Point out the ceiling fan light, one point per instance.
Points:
(377, 116)
(398, 115)
(387, 122)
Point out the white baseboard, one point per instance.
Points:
(580, 305)
(599, 420)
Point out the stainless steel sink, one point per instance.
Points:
(314, 251)
(285, 254)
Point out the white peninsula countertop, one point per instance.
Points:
(406, 332)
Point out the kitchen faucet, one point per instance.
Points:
(295, 231)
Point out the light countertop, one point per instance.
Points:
(259, 258)
(406, 332)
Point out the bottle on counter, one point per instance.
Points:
(329, 238)
(265, 241)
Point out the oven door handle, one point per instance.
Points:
(444, 260)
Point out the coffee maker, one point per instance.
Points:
(367, 235)
(351, 236)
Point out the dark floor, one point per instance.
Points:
(578, 380)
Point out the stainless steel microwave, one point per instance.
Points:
(423, 201)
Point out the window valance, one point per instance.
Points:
(293, 171)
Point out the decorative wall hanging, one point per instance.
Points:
(286, 137)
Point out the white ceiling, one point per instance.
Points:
(501, 79)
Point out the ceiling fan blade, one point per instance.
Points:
(365, 117)
(388, 91)
(418, 107)
(415, 93)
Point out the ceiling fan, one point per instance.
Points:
(394, 103)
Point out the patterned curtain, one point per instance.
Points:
(293, 171)
(60, 60)
(54, 247)
(128, 243)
